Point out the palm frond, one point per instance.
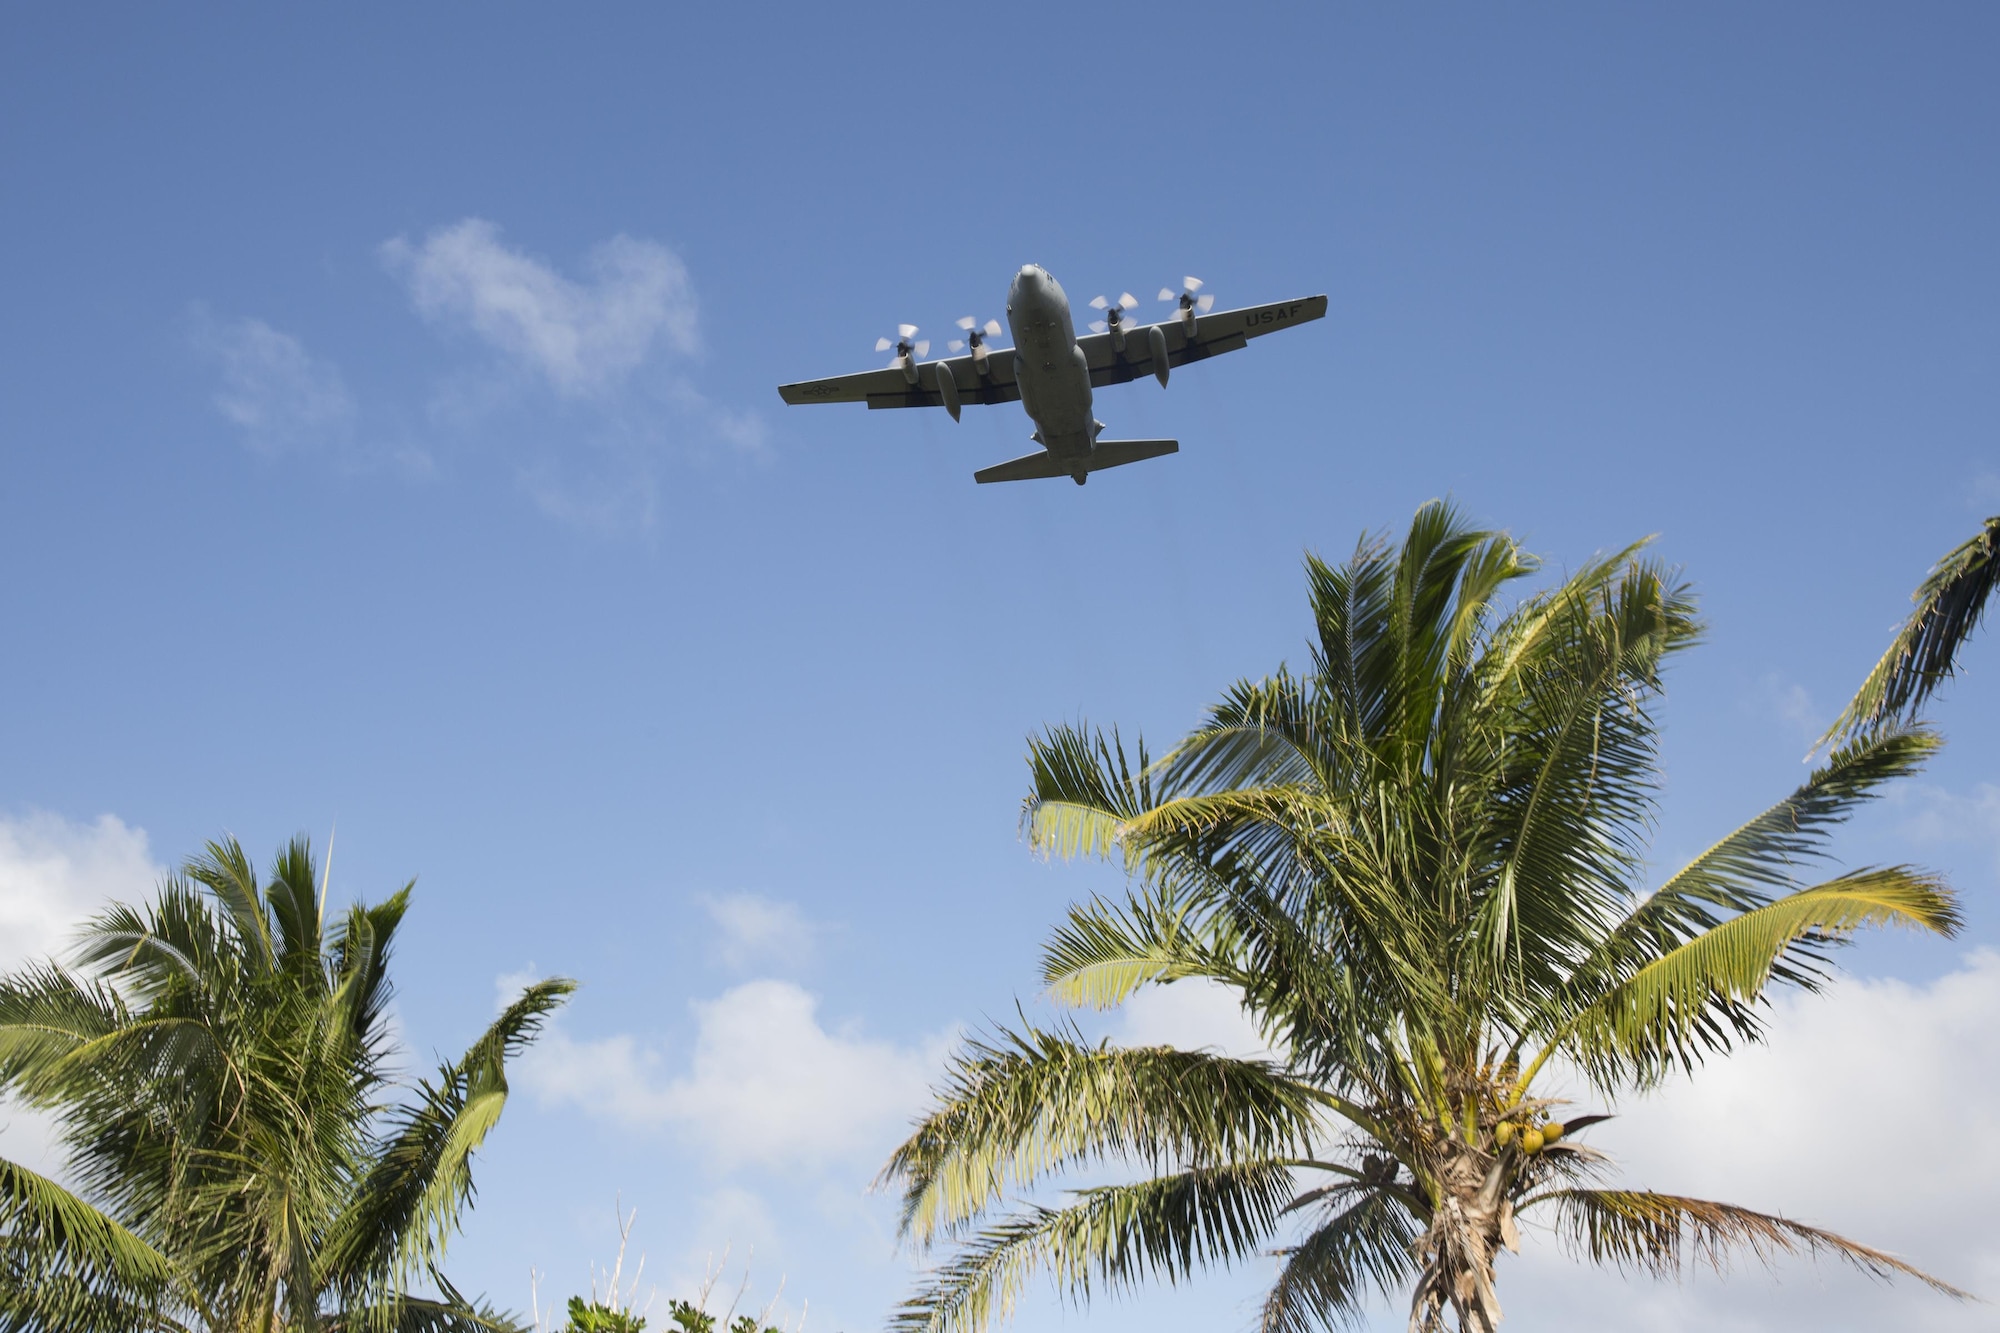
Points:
(451, 1312)
(1665, 1234)
(31, 1302)
(174, 941)
(1085, 788)
(226, 871)
(47, 1015)
(1761, 858)
(361, 961)
(293, 895)
(1692, 999)
(1271, 751)
(1110, 1238)
(65, 1264)
(1923, 655)
(408, 1205)
(1104, 953)
(1018, 1107)
(1396, 626)
(1327, 1277)
(1540, 628)
(1253, 819)
(1577, 791)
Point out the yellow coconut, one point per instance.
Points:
(1552, 1131)
(1503, 1133)
(1531, 1140)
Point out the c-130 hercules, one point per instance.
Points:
(1052, 371)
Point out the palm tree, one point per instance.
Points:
(1949, 606)
(218, 1064)
(1418, 867)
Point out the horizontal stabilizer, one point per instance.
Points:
(1104, 454)
(1117, 453)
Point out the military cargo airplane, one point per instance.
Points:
(1052, 371)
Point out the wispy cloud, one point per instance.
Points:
(1938, 817)
(743, 432)
(765, 1084)
(1787, 702)
(589, 376)
(278, 394)
(581, 338)
(760, 932)
(626, 502)
(582, 384)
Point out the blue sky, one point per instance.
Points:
(388, 438)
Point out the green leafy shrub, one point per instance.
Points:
(593, 1317)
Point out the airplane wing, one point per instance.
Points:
(888, 388)
(1215, 333)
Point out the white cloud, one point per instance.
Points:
(581, 337)
(757, 932)
(766, 1083)
(1193, 1015)
(1874, 1110)
(280, 395)
(56, 872)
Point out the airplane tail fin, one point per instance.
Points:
(1104, 454)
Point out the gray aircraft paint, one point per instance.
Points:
(1053, 372)
(1049, 366)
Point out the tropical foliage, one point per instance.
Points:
(1420, 868)
(1949, 606)
(610, 1316)
(218, 1063)
(603, 1317)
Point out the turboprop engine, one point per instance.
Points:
(1114, 317)
(1190, 305)
(976, 335)
(907, 353)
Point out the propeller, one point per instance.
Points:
(905, 349)
(1114, 312)
(975, 333)
(1187, 300)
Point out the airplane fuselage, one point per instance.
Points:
(1050, 368)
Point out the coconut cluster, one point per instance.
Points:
(1531, 1136)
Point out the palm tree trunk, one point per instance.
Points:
(1473, 1219)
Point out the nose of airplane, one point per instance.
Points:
(1031, 285)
